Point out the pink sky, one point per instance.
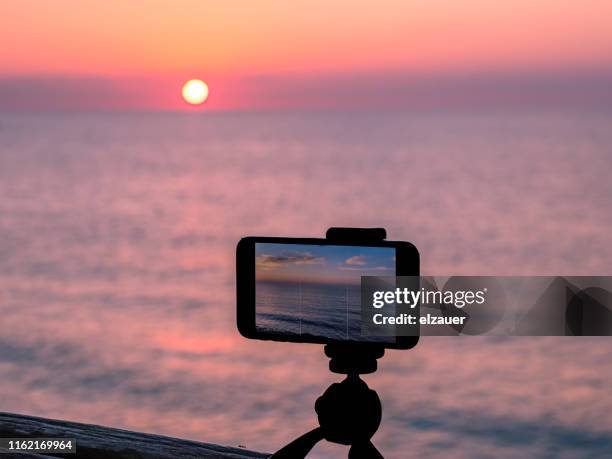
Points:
(303, 54)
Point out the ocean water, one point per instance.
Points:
(319, 310)
(117, 237)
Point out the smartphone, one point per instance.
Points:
(309, 290)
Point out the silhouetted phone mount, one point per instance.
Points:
(349, 412)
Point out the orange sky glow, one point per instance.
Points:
(144, 51)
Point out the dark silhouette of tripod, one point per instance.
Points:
(349, 412)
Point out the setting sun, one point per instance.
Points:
(195, 92)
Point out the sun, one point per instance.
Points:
(195, 92)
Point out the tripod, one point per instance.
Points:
(349, 412)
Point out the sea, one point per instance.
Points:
(311, 309)
(117, 270)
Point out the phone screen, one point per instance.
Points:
(315, 290)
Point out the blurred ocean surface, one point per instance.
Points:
(117, 236)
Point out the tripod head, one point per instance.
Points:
(354, 358)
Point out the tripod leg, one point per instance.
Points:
(299, 447)
(364, 451)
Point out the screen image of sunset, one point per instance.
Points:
(315, 290)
